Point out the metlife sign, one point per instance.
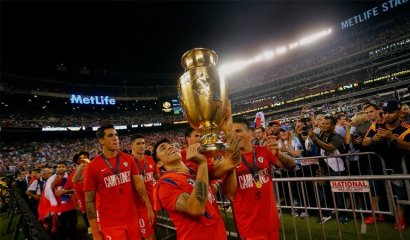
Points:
(92, 100)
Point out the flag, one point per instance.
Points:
(259, 120)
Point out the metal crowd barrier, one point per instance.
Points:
(314, 191)
(25, 220)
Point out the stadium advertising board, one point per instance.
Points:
(350, 186)
(92, 100)
(171, 106)
(371, 13)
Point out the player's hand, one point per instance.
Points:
(151, 216)
(194, 155)
(227, 122)
(272, 145)
(98, 235)
(85, 161)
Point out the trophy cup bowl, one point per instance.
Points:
(202, 94)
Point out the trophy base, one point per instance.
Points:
(213, 149)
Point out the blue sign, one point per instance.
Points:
(373, 12)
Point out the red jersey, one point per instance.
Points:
(166, 192)
(255, 208)
(115, 192)
(148, 169)
(79, 191)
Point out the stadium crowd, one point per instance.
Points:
(365, 129)
(345, 46)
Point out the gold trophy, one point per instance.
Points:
(203, 97)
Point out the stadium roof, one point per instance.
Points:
(148, 38)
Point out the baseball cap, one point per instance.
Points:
(391, 105)
(274, 122)
(284, 128)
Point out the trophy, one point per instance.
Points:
(203, 97)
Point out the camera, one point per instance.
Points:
(306, 128)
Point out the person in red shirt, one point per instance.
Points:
(149, 171)
(59, 196)
(192, 136)
(252, 196)
(111, 178)
(186, 196)
(82, 160)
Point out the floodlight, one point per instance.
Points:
(281, 50)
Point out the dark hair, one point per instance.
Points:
(370, 105)
(75, 158)
(154, 152)
(189, 131)
(35, 170)
(84, 153)
(100, 131)
(331, 118)
(136, 136)
(62, 163)
(340, 115)
(243, 121)
(261, 128)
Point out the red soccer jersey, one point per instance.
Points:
(115, 192)
(79, 191)
(166, 192)
(255, 209)
(148, 170)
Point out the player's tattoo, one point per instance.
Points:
(181, 203)
(90, 205)
(201, 191)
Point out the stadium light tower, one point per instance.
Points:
(228, 69)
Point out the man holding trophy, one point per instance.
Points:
(186, 196)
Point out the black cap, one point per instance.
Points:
(391, 105)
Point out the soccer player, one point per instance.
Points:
(149, 171)
(82, 159)
(186, 195)
(192, 136)
(110, 178)
(252, 196)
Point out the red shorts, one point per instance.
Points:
(129, 231)
(146, 228)
(270, 236)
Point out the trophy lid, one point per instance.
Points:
(198, 57)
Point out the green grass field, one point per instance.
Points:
(294, 228)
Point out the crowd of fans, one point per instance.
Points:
(338, 48)
(17, 156)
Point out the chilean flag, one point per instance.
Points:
(49, 204)
(259, 120)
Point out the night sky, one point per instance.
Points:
(150, 37)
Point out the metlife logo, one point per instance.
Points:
(92, 100)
